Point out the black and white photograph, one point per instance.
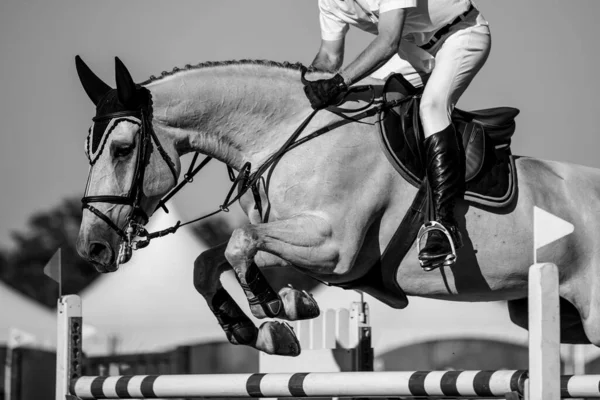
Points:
(287, 199)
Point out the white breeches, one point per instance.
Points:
(447, 68)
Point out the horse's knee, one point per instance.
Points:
(242, 245)
(206, 269)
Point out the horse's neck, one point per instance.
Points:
(234, 113)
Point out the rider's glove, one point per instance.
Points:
(324, 92)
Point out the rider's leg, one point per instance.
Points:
(445, 174)
(412, 62)
(458, 58)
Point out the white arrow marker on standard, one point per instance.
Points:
(547, 228)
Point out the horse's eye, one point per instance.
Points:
(123, 151)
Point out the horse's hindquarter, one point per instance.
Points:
(570, 192)
(578, 202)
(498, 250)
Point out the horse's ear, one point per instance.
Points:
(93, 86)
(125, 85)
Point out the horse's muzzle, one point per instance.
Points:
(99, 253)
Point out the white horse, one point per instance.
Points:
(330, 206)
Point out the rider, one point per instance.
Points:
(442, 43)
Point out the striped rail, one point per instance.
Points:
(543, 383)
(447, 384)
(476, 384)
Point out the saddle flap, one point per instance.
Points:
(498, 123)
(473, 139)
(484, 134)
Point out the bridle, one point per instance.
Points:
(244, 181)
(137, 217)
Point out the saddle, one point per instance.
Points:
(485, 137)
(490, 173)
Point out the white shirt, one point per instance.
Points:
(423, 17)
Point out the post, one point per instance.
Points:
(544, 333)
(68, 344)
(359, 315)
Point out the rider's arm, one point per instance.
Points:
(333, 31)
(381, 49)
(330, 56)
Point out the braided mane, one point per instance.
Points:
(267, 63)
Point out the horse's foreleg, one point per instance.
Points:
(297, 304)
(303, 241)
(272, 337)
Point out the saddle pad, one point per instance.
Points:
(492, 180)
(490, 173)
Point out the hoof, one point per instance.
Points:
(298, 304)
(277, 338)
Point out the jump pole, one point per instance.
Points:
(467, 384)
(544, 380)
(68, 344)
(72, 385)
(544, 333)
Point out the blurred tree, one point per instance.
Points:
(46, 232)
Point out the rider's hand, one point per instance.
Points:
(324, 92)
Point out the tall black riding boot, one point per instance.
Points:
(445, 173)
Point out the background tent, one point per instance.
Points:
(427, 320)
(23, 317)
(435, 334)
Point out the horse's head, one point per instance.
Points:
(130, 170)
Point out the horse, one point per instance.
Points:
(327, 207)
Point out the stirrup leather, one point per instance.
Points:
(449, 260)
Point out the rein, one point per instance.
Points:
(244, 179)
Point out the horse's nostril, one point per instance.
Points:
(96, 250)
(101, 255)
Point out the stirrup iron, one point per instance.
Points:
(446, 261)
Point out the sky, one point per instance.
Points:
(543, 61)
